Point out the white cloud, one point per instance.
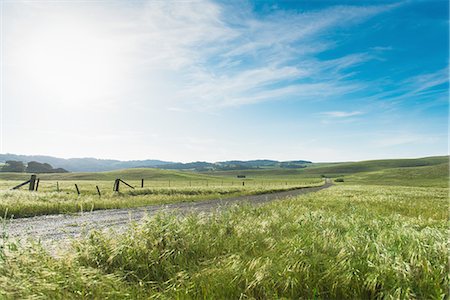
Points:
(341, 114)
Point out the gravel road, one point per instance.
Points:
(61, 227)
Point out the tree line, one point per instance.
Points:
(31, 167)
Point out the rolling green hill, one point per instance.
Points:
(429, 171)
(374, 165)
(432, 176)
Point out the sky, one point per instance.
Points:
(206, 80)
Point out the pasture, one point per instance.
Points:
(343, 242)
(164, 187)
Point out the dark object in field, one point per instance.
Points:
(142, 183)
(32, 182)
(339, 180)
(117, 182)
(37, 184)
(240, 176)
(98, 191)
(78, 191)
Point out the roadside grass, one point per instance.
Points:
(47, 201)
(345, 242)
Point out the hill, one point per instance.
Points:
(428, 171)
(236, 165)
(423, 176)
(84, 164)
(374, 165)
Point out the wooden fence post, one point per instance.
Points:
(78, 190)
(142, 183)
(120, 180)
(98, 191)
(32, 182)
(57, 186)
(37, 184)
(243, 183)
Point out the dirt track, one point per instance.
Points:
(58, 227)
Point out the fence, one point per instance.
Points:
(95, 187)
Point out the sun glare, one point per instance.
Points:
(70, 61)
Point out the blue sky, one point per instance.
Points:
(219, 80)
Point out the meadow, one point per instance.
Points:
(365, 238)
(56, 197)
(349, 242)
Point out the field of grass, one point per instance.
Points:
(346, 242)
(47, 200)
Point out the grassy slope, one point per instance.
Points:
(432, 176)
(376, 165)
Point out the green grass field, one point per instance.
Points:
(345, 242)
(26, 204)
(381, 234)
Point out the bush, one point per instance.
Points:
(339, 180)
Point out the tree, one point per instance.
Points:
(37, 167)
(13, 166)
(60, 170)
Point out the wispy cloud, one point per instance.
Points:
(341, 114)
(429, 88)
(392, 139)
(219, 61)
(190, 54)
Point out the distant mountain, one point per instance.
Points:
(198, 165)
(84, 164)
(236, 165)
(99, 165)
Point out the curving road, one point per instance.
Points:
(59, 227)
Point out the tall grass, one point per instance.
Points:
(346, 242)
